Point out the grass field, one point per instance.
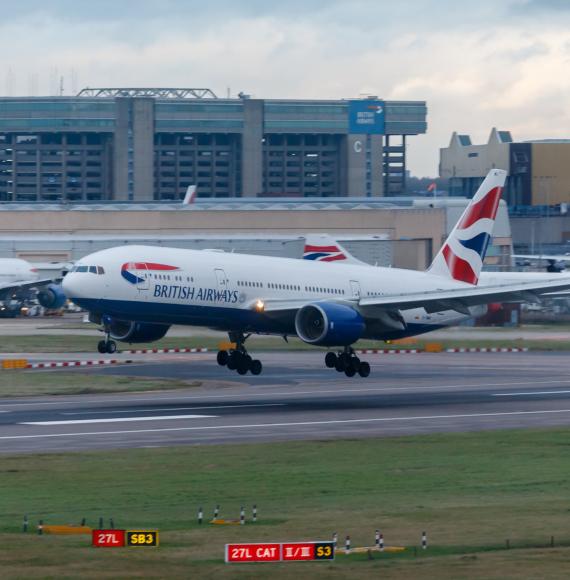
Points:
(79, 343)
(17, 383)
(470, 492)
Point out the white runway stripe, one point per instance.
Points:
(292, 424)
(116, 420)
(530, 393)
(174, 409)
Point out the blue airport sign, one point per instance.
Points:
(366, 116)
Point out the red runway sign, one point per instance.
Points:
(253, 552)
(289, 552)
(108, 538)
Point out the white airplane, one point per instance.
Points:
(138, 292)
(17, 279)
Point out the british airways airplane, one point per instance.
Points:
(137, 292)
(18, 278)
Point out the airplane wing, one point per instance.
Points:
(461, 298)
(6, 289)
(543, 257)
(458, 299)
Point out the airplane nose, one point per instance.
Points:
(69, 285)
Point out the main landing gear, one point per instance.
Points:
(347, 362)
(238, 359)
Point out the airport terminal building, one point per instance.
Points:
(142, 145)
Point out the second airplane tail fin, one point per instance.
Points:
(461, 256)
(324, 248)
(190, 196)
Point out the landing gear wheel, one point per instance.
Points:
(364, 369)
(339, 364)
(330, 360)
(355, 363)
(349, 371)
(238, 359)
(233, 360)
(222, 358)
(111, 347)
(102, 346)
(256, 367)
(243, 366)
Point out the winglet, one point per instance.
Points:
(324, 248)
(461, 256)
(190, 196)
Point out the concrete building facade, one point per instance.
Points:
(538, 171)
(410, 231)
(150, 144)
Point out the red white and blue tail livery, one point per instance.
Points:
(461, 257)
(323, 248)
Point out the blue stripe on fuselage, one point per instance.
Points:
(189, 314)
(218, 317)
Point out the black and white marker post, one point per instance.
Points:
(424, 541)
(217, 512)
(254, 513)
(381, 542)
(242, 516)
(377, 539)
(347, 545)
(200, 515)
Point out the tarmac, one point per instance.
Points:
(295, 398)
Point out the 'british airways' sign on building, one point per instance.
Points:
(366, 116)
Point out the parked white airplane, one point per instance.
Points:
(17, 279)
(138, 292)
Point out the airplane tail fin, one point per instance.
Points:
(190, 196)
(324, 248)
(461, 256)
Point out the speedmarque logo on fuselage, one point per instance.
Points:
(141, 267)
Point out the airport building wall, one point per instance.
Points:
(538, 171)
(415, 232)
(141, 145)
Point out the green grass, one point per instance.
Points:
(470, 492)
(18, 383)
(74, 343)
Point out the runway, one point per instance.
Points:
(296, 398)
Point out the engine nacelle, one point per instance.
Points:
(134, 332)
(52, 296)
(329, 324)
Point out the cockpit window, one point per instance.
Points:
(99, 270)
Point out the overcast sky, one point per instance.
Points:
(478, 64)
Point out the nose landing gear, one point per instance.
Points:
(347, 362)
(108, 345)
(238, 359)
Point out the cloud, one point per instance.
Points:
(476, 67)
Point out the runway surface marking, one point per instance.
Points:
(530, 393)
(289, 393)
(116, 420)
(153, 410)
(273, 425)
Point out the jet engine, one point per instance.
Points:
(329, 324)
(52, 296)
(133, 332)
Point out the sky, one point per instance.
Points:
(502, 63)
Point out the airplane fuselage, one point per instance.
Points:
(225, 291)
